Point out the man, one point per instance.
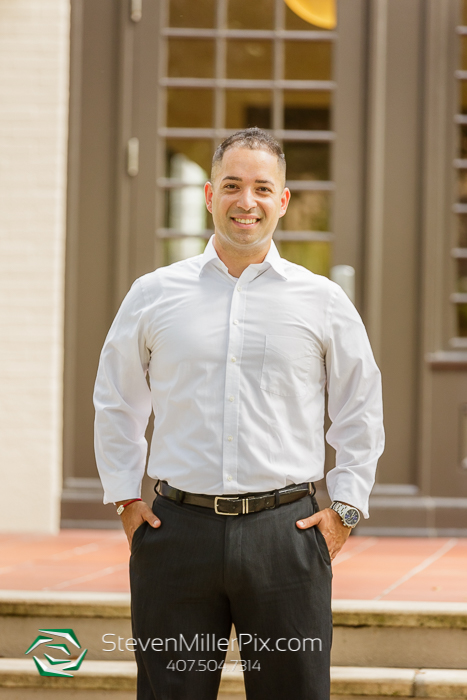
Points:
(238, 345)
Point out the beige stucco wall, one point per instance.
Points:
(34, 52)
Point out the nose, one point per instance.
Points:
(246, 200)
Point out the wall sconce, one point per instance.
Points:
(321, 13)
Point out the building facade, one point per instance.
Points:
(373, 119)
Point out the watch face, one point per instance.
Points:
(352, 517)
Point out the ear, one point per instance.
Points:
(208, 196)
(285, 199)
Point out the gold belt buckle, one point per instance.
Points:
(230, 499)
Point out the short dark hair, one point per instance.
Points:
(253, 138)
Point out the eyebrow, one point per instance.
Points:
(239, 179)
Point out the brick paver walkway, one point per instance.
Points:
(368, 568)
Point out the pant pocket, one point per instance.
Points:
(138, 537)
(322, 545)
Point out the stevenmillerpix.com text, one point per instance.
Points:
(209, 642)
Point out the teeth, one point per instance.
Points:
(246, 221)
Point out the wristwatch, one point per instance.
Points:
(349, 515)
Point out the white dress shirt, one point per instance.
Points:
(237, 371)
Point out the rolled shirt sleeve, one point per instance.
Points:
(122, 401)
(354, 405)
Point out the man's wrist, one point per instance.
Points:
(350, 515)
(121, 505)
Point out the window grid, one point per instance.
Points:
(459, 253)
(220, 83)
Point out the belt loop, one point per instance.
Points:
(310, 485)
(180, 496)
(156, 485)
(277, 499)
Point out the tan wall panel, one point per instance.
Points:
(401, 178)
(90, 304)
(449, 393)
(349, 149)
(111, 215)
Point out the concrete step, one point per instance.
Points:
(399, 634)
(366, 633)
(100, 680)
(355, 681)
(95, 680)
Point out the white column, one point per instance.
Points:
(34, 53)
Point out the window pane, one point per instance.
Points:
(307, 110)
(186, 13)
(462, 275)
(463, 141)
(182, 248)
(462, 184)
(307, 161)
(244, 108)
(308, 211)
(462, 229)
(189, 108)
(197, 151)
(462, 320)
(314, 255)
(191, 58)
(463, 96)
(244, 14)
(293, 21)
(185, 209)
(463, 40)
(308, 60)
(249, 60)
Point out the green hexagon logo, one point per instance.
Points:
(53, 639)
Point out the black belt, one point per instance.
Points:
(236, 505)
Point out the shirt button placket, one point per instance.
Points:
(232, 387)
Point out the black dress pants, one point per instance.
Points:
(199, 572)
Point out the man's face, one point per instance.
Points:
(246, 199)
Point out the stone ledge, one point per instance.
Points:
(346, 682)
(346, 613)
(353, 680)
(95, 675)
(393, 613)
(64, 604)
(439, 683)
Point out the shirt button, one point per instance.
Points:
(230, 438)
(231, 398)
(229, 478)
(239, 288)
(233, 359)
(236, 322)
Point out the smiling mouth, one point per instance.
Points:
(244, 221)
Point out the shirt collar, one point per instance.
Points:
(272, 259)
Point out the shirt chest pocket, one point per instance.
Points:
(286, 365)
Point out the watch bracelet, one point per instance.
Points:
(345, 508)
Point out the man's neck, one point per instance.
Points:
(237, 261)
